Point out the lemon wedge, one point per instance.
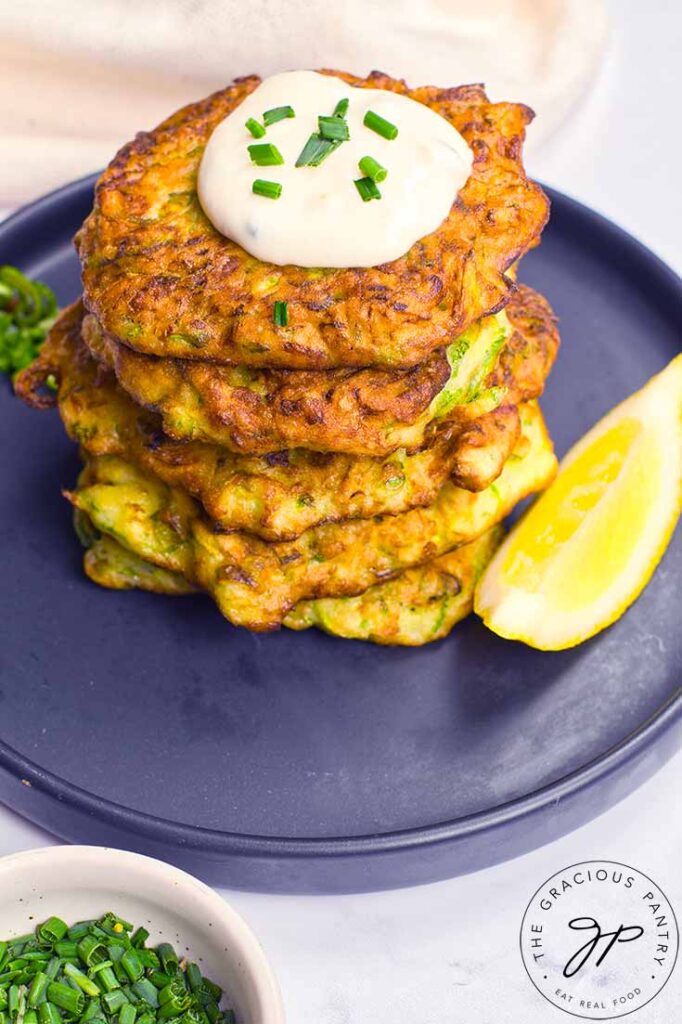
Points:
(589, 545)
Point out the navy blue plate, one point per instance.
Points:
(298, 762)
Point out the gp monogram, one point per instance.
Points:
(599, 940)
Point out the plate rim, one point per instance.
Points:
(218, 841)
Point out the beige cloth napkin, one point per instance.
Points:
(79, 77)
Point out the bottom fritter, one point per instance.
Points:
(417, 607)
(255, 583)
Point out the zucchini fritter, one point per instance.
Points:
(255, 583)
(502, 359)
(109, 564)
(276, 496)
(160, 278)
(418, 606)
(415, 608)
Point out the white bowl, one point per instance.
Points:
(81, 882)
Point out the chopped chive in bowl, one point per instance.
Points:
(97, 972)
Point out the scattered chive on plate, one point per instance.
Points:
(100, 972)
(27, 311)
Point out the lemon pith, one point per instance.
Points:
(587, 548)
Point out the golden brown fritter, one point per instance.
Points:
(160, 278)
(276, 496)
(279, 496)
(416, 607)
(255, 584)
(109, 564)
(502, 359)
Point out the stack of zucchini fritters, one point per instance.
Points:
(347, 470)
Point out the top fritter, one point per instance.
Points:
(163, 280)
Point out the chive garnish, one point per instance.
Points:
(334, 128)
(27, 311)
(256, 129)
(97, 972)
(371, 168)
(269, 189)
(264, 154)
(280, 314)
(315, 151)
(380, 125)
(277, 114)
(332, 131)
(367, 189)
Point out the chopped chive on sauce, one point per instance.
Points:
(332, 131)
(269, 189)
(277, 114)
(371, 168)
(316, 150)
(367, 189)
(380, 125)
(334, 128)
(101, 971)
(280, 314)
(256, 129)
(27, 311)
(264, 154)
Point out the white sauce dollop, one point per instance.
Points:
(320, 220)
